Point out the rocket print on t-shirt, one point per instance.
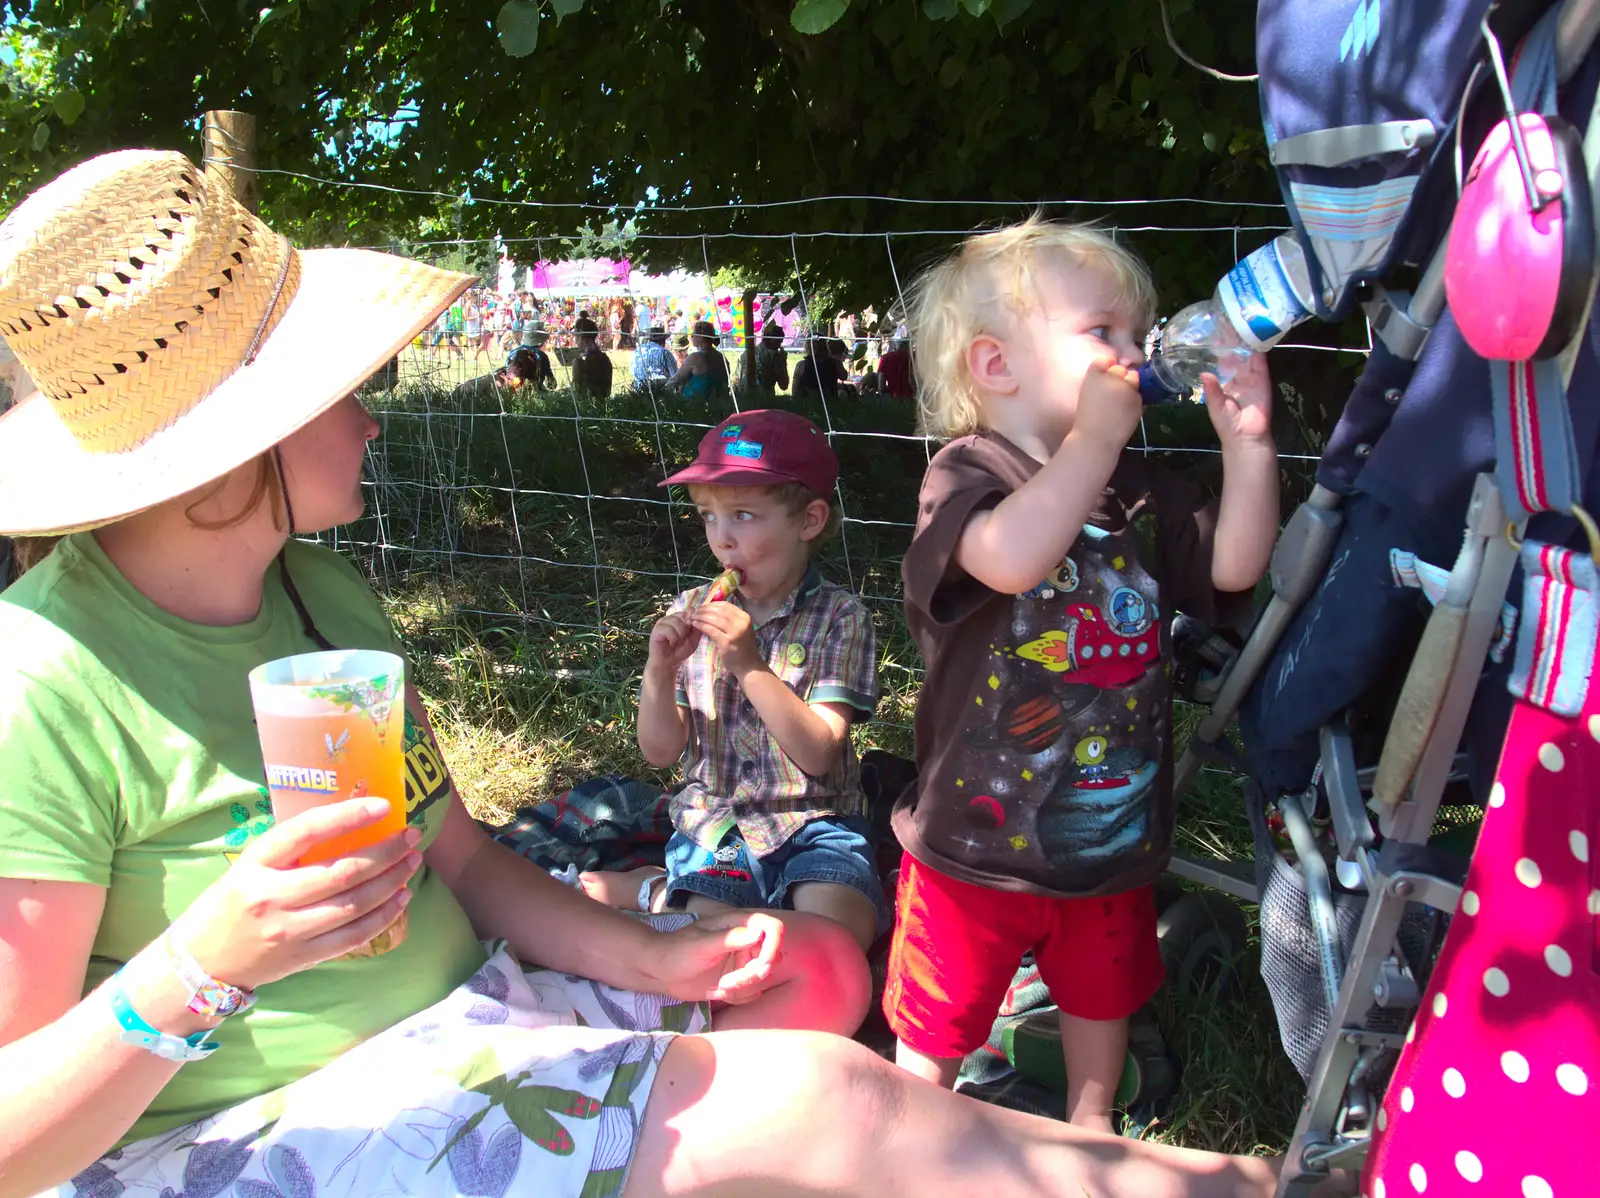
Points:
(1077, 698)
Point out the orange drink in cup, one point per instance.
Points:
(332, 727)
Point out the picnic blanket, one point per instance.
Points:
(609, 822)
(619, 823)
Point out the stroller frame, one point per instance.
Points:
(1419, 756)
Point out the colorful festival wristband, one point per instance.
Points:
(208, 996)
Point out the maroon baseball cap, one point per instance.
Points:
(761, 448)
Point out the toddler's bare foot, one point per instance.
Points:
(1096, 1121)
(618, 888)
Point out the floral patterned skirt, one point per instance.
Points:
(517, 1083)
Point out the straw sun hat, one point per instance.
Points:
(173, 336)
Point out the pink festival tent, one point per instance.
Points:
(579, 276)
(601, 277)
(681, 292)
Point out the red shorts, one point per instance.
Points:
(958, 945)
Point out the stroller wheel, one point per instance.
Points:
(1202, 937)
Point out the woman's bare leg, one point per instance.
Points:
(823, 983)
(781, 1114)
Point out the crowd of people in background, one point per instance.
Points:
(512, 336)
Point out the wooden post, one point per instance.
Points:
(229, 140)
(748, 365)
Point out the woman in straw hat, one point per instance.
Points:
(179, 1007)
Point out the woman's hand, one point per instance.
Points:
(722, 958)
(269, 916)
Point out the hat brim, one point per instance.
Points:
(726, 476)
(321, 350)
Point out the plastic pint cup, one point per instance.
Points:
(332, 727)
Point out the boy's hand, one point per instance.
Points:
(728, 627)
(1109, 406)
(672, 640)
(1241, 411)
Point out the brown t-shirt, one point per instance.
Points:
(1043, 744)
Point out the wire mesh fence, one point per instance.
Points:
(533, 517)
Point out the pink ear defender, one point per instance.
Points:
(1520, 258)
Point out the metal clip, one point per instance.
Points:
(1578, 513)
(1536, 199)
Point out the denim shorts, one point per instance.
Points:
(835, 849)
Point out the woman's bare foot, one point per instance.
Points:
(620, 888)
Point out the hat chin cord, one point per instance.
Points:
(310, 627)
(283, 487)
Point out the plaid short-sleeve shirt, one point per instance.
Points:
(821, 643)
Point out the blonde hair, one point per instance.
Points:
(974, 291)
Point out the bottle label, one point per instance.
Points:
(1259, 299)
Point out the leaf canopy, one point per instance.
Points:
(639, 105)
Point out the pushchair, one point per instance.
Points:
(1351, 753)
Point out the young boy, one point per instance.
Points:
(1045, 565)
(762, 688)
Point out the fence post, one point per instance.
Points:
(228, 140)
(748, 364)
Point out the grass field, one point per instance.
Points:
(523, 548)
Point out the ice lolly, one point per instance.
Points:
(723, 586)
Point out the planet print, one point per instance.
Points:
(1032, 720)
(986, 811)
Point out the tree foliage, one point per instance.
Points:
(646, 104)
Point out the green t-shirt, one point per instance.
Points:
(130, 760)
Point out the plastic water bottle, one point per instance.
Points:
(1254, 306)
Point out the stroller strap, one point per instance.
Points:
(1537, 471)
(1537, 459)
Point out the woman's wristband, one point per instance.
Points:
(137, 1031)
(208, 996)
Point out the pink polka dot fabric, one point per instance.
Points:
(1497, 1092)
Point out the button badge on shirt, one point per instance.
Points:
(795, 654)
